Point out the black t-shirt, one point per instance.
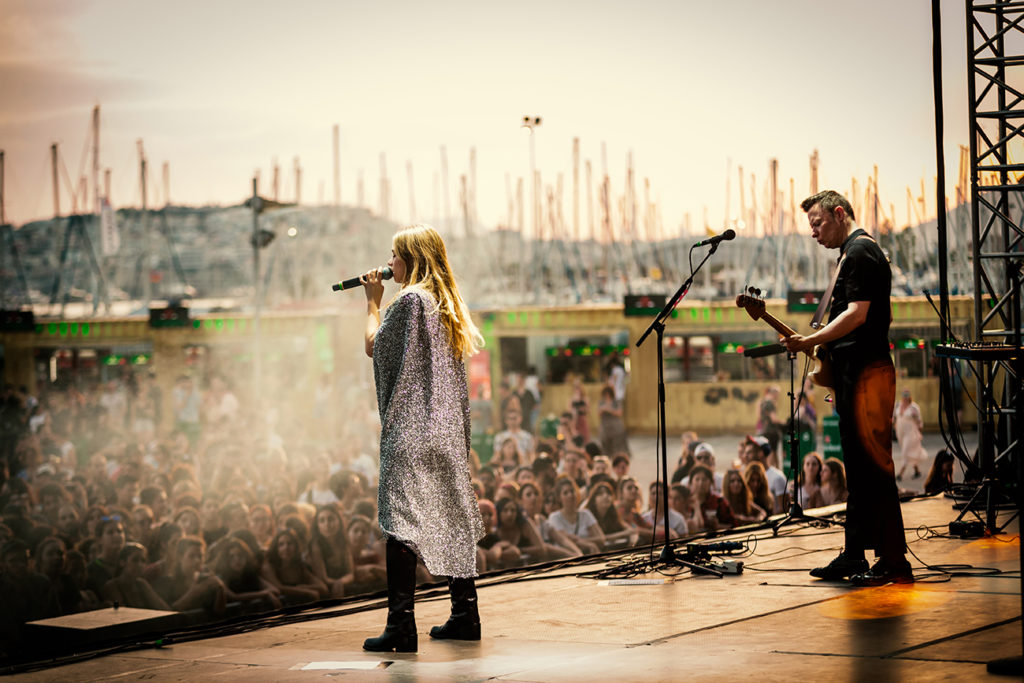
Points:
(864, 275)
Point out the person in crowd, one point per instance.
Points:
(557, 545)
(238, 569)
(578, 524)
(833, 482)
(680, 499)
(261, 523)
(161, 550)
(509, 457)
(579, 407)
(187, 518)
(612, 433)
(212, 527)
(418, 355)
(630, 504)
(156, 498)
(516, 530)
(330, 557)
(907, 424)
(370, 573)
(620, 465)
(809, 481)
(768, 422)
(187, 586)
(514, 430)
(940, 477)
(574, 465)
(25, 595)
(288, 574)
(319, 491)
(655, 514)
(129, 588)
(759, 449)
(740, 499)
(757, 483)
(111, 539)
(49, 560)
(704, 455)
(714, 510)
(601, 504)
(69, 525)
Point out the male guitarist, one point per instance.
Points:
(857, 335)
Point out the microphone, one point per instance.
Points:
(385, 273)
(729, 234)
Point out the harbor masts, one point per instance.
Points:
(166, 173)
(96, 159)
(337, 166)
(815, 160)
(575, 189)
(445, 197)
(298, 182)
(412, 192)
(56, 182)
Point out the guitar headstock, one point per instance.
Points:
(751, 303)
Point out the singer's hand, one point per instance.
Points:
(373, 286)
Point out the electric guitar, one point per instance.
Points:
(822, 372)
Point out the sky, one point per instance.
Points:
(692, 90)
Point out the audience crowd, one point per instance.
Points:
(224, 511)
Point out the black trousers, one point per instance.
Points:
(864, 399)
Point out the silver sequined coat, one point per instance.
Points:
(425, 497)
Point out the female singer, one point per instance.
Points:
(427, 507)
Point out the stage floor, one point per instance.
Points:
(771, 623)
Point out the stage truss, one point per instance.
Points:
(995, 82)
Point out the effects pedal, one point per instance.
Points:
(729, 566)
(965, 529)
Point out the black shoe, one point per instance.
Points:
(885, 572)
(392, 641)
(400, 633)
(840, 568)
(464, 623)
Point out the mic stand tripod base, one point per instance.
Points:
(796, 513)
(668, 557)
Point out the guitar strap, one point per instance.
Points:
(826, 298)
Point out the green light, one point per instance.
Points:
(219, 323)
(51, 328)
(196, 324)
(85, 329)
(62, 328)
(693, 314)
(74, 329)
(511, 318)
(707, 313)
(208, 324)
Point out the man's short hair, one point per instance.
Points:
(828, 200)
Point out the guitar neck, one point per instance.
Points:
(777, 324)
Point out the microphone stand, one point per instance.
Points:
(796, 511)
(668, 556)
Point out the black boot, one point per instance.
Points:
(464, 623)
(400, 633)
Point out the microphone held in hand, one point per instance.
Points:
(729, 234)
(385, 274)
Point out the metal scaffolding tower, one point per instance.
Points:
(995, 60)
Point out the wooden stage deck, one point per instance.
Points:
(771, 623)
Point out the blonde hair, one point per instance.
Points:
(427, 267)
